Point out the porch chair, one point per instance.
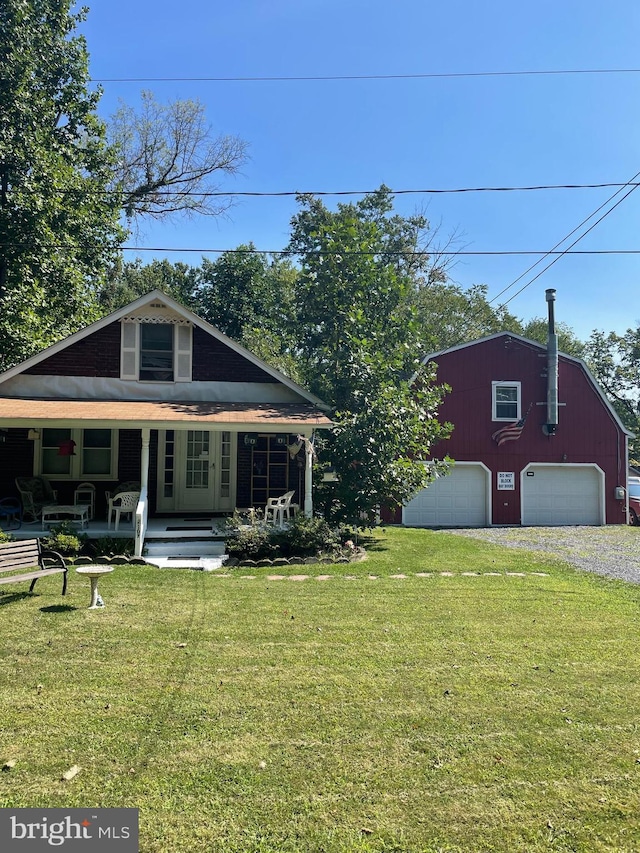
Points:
(122, 503)
(11, 510)
(35, 493)
(277, 509)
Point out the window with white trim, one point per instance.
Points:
(506, 401)
(155, 351)
(77, 454)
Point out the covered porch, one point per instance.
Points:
(193, 463)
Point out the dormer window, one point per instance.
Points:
(155, 351)
(506, 401)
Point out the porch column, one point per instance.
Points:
(144, 458)
(143, 505)
(308, 478)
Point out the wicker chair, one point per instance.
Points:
(35, 493)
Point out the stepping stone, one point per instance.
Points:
(423, 574)
(323, 577)
(275, 577)
(398, 576)
(516, 574)
(446, 574)
(470, 574)
(298, 577)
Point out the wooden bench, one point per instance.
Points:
(28, 554)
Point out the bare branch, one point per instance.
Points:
(169, 160)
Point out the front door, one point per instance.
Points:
(196, 471)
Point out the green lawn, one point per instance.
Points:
(245, 715)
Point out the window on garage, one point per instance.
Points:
(506, 401)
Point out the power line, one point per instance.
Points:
(365, 252)
(291, 193)
(631, 183)
(337, 253)
(338, 77)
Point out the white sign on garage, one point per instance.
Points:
(459, 499)
(562, 494)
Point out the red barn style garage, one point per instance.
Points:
(535, 441)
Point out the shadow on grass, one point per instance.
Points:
(10, 597)
(58, 608)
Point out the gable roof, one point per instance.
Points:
(537, 345)
(189, 316)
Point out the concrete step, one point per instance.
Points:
(203, 564)
(192, 547)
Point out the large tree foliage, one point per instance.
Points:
(357, 342)
(615, 363)
(59, 229)
(169, 159)
(131, 279)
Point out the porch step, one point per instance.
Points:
(191, 547)
(203, 564)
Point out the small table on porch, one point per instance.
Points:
(93, 573)
(79, 511)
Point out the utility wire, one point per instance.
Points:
(337, 253)
(337, 77)
(287, 193)
(567, 251)
(631, 183)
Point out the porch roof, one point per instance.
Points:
(269, 417)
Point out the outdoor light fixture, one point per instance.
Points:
(251, 439)
(330, 474)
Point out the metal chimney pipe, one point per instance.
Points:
(552, 367)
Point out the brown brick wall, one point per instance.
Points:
(214, 361)
(96, 355)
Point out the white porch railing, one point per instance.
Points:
(142, 515)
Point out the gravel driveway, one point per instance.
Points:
(613, 550)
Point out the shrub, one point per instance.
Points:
(65, 539)
(305, 537)
(108, 546)
(5, 537)
(249, 537)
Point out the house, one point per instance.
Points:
(153, 394)
(535, 441)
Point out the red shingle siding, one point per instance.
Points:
(214, 361)
(96, 355)
(586, 433)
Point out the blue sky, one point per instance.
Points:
(443, 132)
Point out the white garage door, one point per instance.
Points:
(457, 500)
(562, 494)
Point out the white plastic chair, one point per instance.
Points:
(124, 503)
(277, 509)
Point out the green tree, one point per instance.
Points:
(538, 330)
(615, 362)
(449, 315)
(131, 279)
(357, 341)
(250, 297)
(59, 229)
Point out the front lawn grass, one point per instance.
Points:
(358, 714)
